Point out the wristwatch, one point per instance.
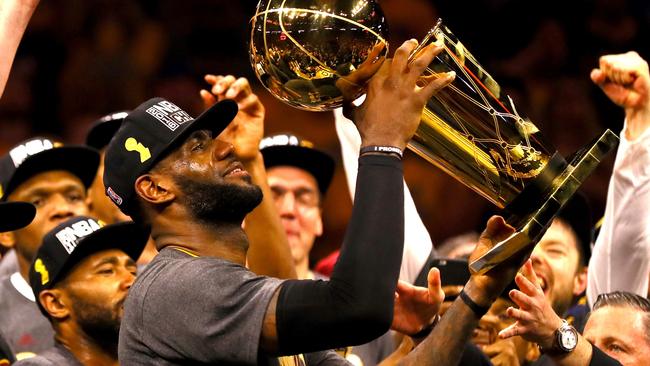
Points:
(566, 339)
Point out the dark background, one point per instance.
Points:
(81, 59)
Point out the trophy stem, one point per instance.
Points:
(533, 226)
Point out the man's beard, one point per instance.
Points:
(98, 321)
(219, 202)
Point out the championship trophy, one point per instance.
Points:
(315, 54)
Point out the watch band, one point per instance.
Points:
(558, 347)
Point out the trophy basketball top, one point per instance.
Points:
(310, 54)
(313, 56)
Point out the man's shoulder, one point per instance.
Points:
(55, 356)
(169, 268)
(177, 277)
(8, 264)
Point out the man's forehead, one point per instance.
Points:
(47, 181)
(110, 256)
(614, 322)
(560, 233)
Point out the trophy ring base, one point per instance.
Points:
(532, 227)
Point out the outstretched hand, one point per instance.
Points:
(417, 307)
(247, 129)
(535, 319)
(393, 106)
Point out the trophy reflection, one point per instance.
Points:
(313, 55)
(473, 131)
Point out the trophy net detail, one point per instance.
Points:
(473, 132)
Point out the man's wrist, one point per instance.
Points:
(636, 123)
(480, 295)
(366, 142)
(426, 330)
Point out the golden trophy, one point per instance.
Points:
(471, 129)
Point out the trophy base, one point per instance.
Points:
(533, 226)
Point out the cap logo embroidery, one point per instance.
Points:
(40, 268)
(132, 144)
(279, 140)
(169, 114)
(21, 152)
(114, 196)
(69, 236)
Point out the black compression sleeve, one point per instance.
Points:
(356, 304)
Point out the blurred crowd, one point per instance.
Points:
(134, 233)
(80, 60)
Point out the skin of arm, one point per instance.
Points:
(14, 17)
(625, 80)
(445, 344)
(388, 117)
(268, 253)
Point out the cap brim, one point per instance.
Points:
(317, 163)
(102, 132)
(81, 161)
(15, 215)
(577, 214)
(216, 119)
(128, 237)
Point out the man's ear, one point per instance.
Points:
(54, 303)
(8, 239)
(580, 281)
(154, 189)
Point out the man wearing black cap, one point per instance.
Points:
(195, 302)
(101, 206)
(38, 171)
(80, 277)
(298, 175)
(560, 260)
(98, 137)
(13, 216)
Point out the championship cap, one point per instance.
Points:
(39, 155)
(77, 238)
(15, 215)
(149, 133)
(103, 129)
(287, 149)
(577, 214)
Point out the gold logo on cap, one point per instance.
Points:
(132, 144)
(39, 267)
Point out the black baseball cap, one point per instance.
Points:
(148, 134)
(288, 149)
(15, 215)
(77, 238)
(38, 155)
(577, 214)
(103, 129)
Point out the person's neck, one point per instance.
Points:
(86, 349)
(220, 240)
(23, 266)
(302, 270)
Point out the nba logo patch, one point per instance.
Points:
(114, 196)
(169, 114)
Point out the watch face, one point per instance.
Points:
(568, 339)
